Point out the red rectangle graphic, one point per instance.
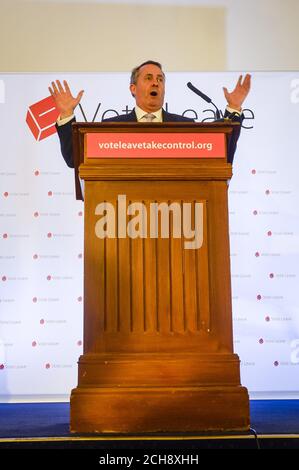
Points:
(155, 145)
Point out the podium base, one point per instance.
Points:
(159, 410)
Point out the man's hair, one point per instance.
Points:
(135, 71)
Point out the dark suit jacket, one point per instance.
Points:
(65, 132)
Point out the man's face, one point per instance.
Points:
(149, 89)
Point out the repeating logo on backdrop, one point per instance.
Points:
(41, 118)
(271, 311)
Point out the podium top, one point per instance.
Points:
(150, 147)
(223, 125)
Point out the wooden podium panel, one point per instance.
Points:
(158, 348)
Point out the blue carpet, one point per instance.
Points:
(34, 419)
(52, 419)
(275, 416)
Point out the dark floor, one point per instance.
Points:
(52, 419)
(50, 423)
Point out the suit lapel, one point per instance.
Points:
(132, 116)
(166, 117)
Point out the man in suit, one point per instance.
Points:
(147, 85)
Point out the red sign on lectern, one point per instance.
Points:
(154, 145)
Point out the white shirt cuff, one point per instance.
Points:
(232, 110)
(61, 122)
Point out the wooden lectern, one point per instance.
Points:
(158, 344)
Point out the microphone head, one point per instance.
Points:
(198, 92)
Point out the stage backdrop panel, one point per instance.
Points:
(41, 229)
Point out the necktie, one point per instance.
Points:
(149, 117)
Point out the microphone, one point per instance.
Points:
(204, 97)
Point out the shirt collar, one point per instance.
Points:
(140, 113)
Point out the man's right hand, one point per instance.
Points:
(64, 100)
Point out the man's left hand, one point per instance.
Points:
(236, 98)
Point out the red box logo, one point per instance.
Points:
(41, 118)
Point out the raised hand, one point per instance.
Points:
(236, 98)
(64, 100)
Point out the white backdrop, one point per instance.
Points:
(41, 232)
